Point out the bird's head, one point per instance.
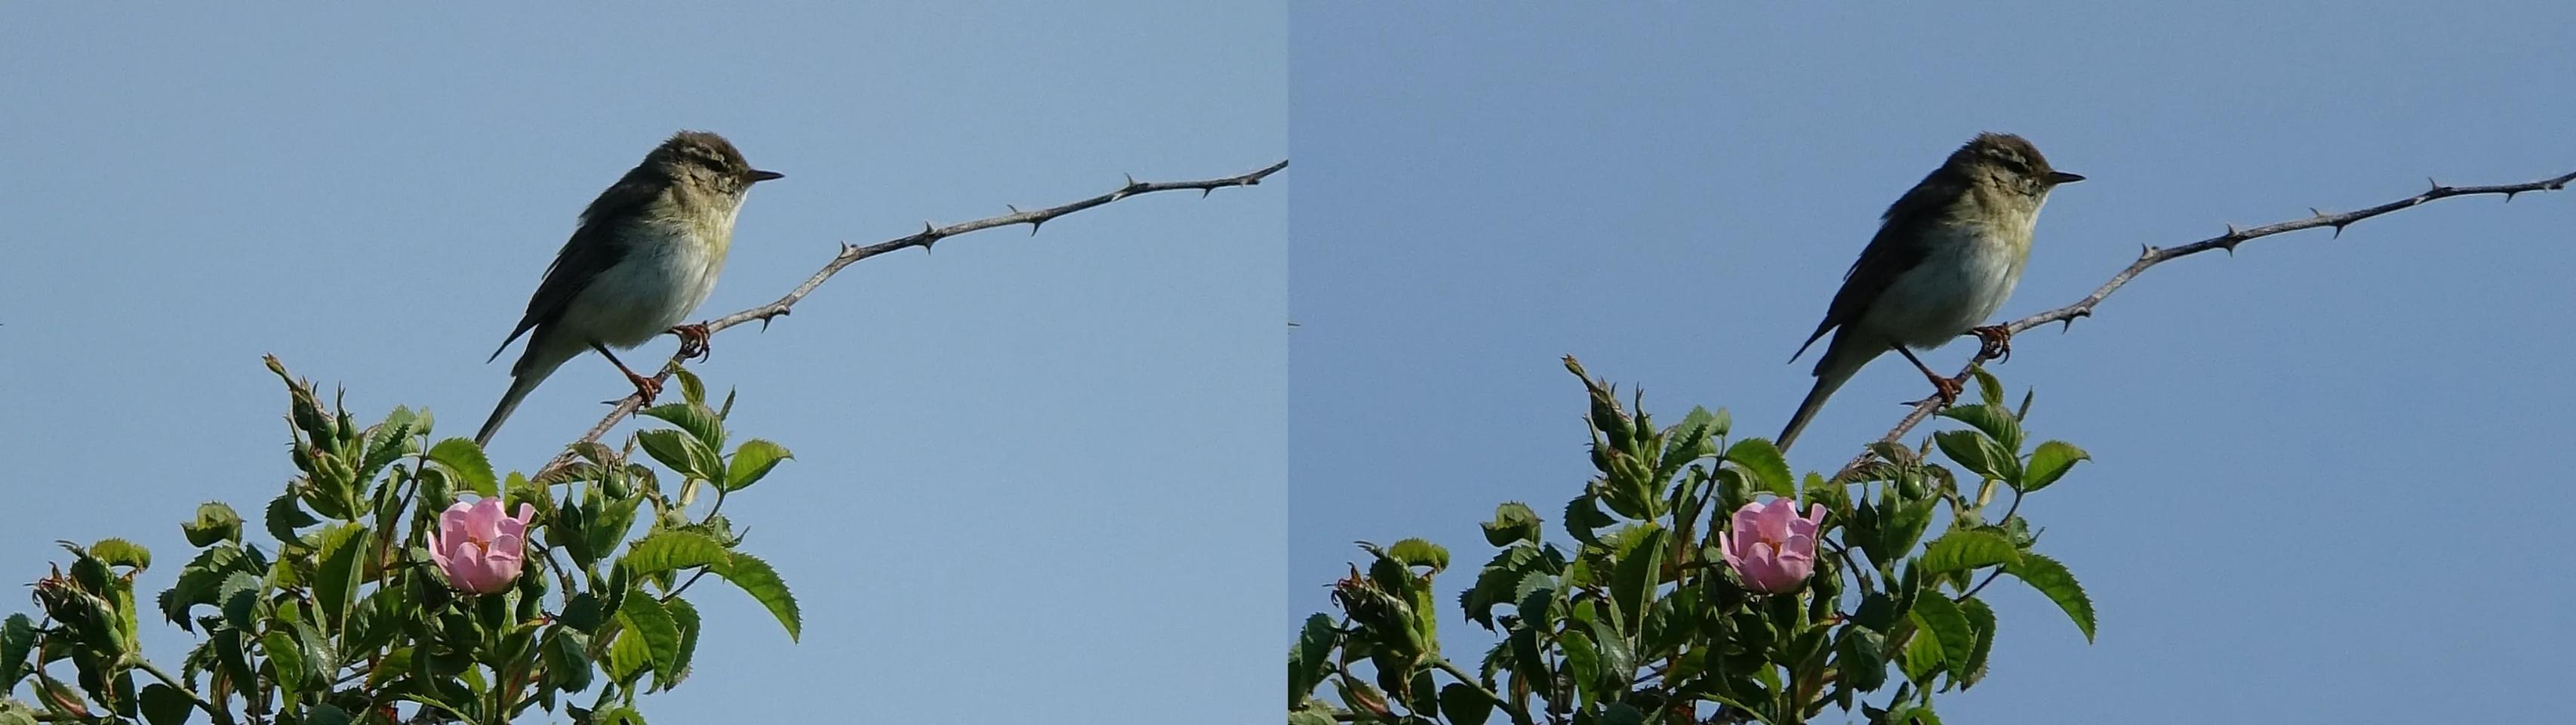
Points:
(706, 159)
(2010, 162)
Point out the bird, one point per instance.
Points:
(1947, 254)
(644, 255)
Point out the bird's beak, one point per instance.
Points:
(2061, 177)
(760, 176)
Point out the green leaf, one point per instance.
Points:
(1584, 519)
(756, 578)
(215, 522)
(647, 619)
(2049, 462)
(387, 440)
(627, 656)
(12, 713)
(1937, 616)
(464, 461)
(17, 634)
(335, 587)
(695, 418)
(284, 517)
(751, 462)
(1464, 705)
(692, 389)
(676, 450)
(672, 550)
(1860, 659)
(1310, 661)
(239, 597)
(1982, 618)
(1313, 713)
(1582, 662)
(119, 552)
(1762, 459)
(1513, 521)
(287, 657)
(1978, 453)
(326, 714)
(1640, 573)
(2053, 581)
(1922, 659)
(1993, 419)
(1968, 549)
(1989, 390)
(567, 664)
(1620, 713)
(165, 705)
(1419, 552)
(686, 615)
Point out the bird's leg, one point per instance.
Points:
(647, 387)
(693, 341)
(1944, 389)
(1994, 343)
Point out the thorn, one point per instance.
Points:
(2437, 186)
(847, 248)
(2146, 250)
(1203, 193)
(2508, 195)
(2338, 234)
(1015, 208)
(2231, 230)
(1033, 227)
(1131, 179)
(2230, 246)
(2313, 210)
(927, 237)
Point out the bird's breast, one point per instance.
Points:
(668, 270)
(1968, 272)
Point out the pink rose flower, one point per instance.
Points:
(478, 548)
(1771, 548)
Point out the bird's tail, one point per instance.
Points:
(519, 389)
(539, 361)
(1837, 366)
(1806, 410)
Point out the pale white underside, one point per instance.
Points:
(663, 278)
(1962, 282)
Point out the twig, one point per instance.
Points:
(2152, 256)
(928, 235)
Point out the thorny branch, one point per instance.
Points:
(928, 235)
(2152, 256)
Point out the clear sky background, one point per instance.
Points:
(1034, 476)
(2329, 482)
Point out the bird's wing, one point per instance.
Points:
(1890, 254)
(595, 246)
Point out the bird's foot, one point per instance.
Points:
(693, 341)
(1994, 343)
(644, 386)
(1944, 390)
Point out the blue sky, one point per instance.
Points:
(2325, 484)
(1033, 475)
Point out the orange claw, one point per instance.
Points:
(647, 387)
(1943, 389)
(1994, 343)
(693, 341)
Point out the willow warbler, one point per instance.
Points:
(1946, 256)
(645, 254)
